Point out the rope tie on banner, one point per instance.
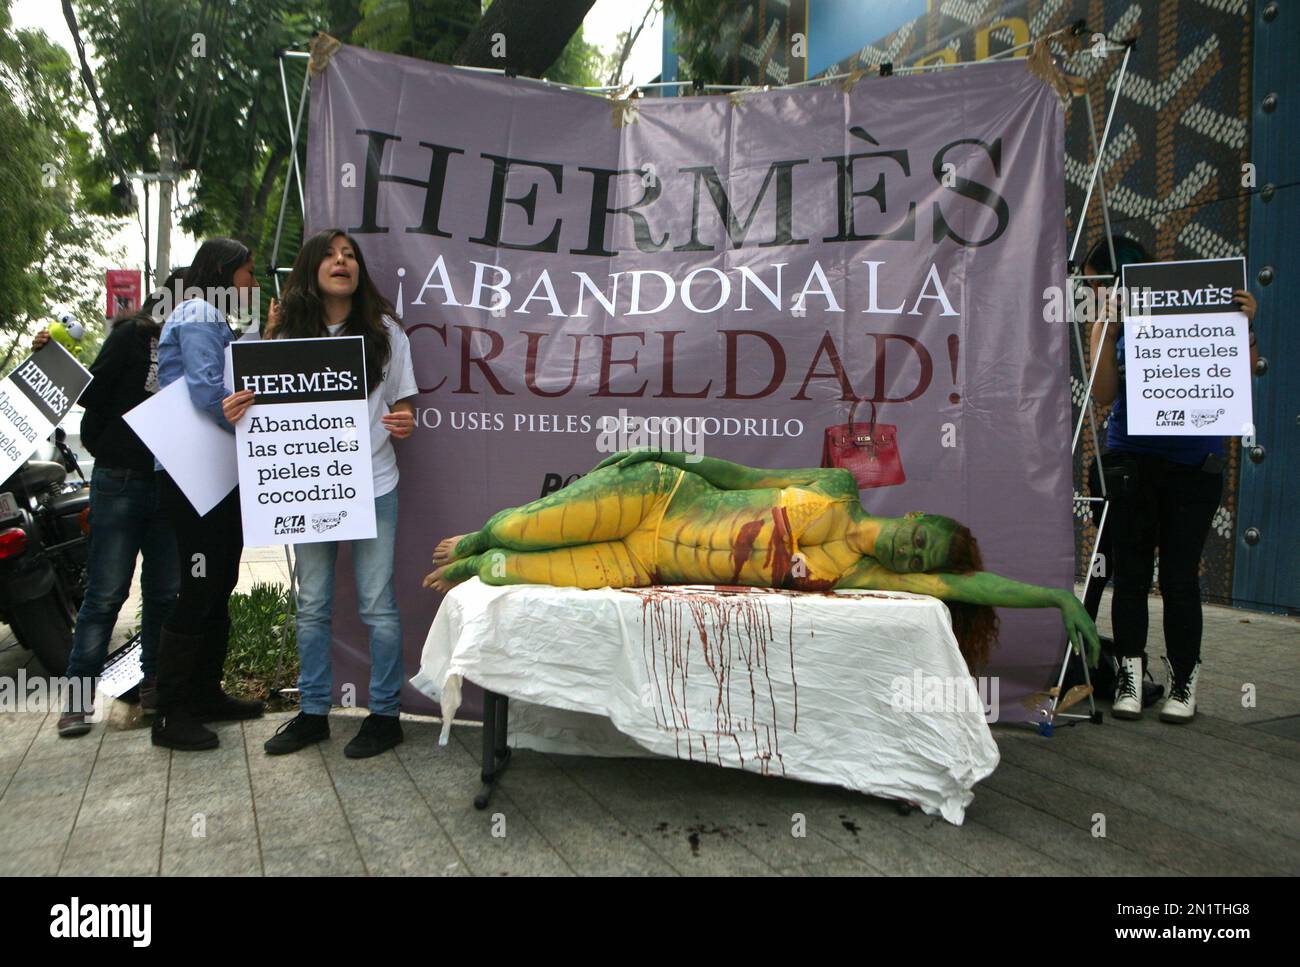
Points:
(322, 48)
(853, 77)
(1042, 65)
(626, 110)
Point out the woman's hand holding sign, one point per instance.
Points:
(1244, 300)
(274, 319)
(400, 421)
(234, 406)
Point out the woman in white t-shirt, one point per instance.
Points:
(329, 293)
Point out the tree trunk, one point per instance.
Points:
(522, 35)
(242, 225)
(166, 172)
(256, 228)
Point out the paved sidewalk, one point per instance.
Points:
(1214, 797)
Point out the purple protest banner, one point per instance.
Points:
(747, 265)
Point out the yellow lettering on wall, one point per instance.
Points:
(945, 56)
(1019, 32)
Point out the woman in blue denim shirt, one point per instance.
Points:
(192, 652)
(329, 293)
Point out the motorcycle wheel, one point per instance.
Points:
(43, 627)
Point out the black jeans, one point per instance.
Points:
(209, 549)
(1158, 505)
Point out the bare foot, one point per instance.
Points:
(445, 552)
(438, 580)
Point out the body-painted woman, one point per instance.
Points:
(649, 517)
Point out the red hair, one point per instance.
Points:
(974, 625)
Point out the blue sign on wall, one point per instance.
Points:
(839, 28)
(835, 29)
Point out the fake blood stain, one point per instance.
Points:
(730, 633)
(744, 546)
(780, 552)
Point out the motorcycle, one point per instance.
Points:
(44, 531)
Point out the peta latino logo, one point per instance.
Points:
(291, 524)
(321, 523)
(1205, 417)
(104, 921)
(1170, 417)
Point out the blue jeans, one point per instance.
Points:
(125, 520)
(372, 563)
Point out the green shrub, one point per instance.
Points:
(263, 656)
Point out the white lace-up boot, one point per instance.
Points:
(1180, 706)
(1128, 690)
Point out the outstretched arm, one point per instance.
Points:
(721, 473)
(983, 587)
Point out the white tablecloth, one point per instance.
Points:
(865, 690)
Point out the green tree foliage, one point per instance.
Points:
(195, 83)
(54, 254)
(698, 25)
(434, 30)
(580, 63)
(427, 29)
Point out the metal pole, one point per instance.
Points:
(1087, 402)
(1101, 184)
(1105, 136)
(293, 149)
(148, 270)
(1028, 43)
(284, 90)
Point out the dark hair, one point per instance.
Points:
(148, 324)
(303, 309)
(1127, 252)
(974, 625)
(215, 264)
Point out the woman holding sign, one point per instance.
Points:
(126, 517)
(192, 652)
(1163, 493)
(329, 293)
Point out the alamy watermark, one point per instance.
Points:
(76, 920)
(44, 694)
(241, 305)
(655, 433)
(945, 693)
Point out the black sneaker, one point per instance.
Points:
(227, 708)
(378, 733)
(302, 730)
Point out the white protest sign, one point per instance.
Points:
(1186, 349)
(33, 399)
(197, 454)
(122, 672)
(304, 445)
